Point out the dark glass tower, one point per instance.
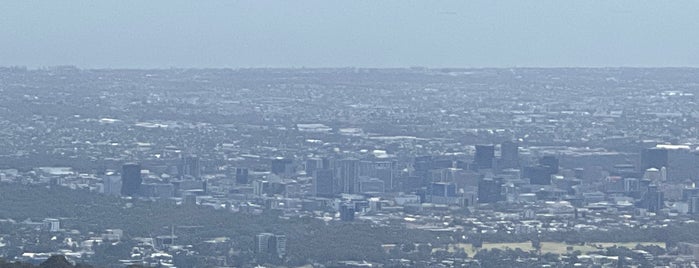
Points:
(551, 162)
(130, 179)
(653, 158)
(241, 175)
(490, 191)
(323, 183)
(509, 153)
(484, 156)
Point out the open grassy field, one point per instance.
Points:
(550, 247)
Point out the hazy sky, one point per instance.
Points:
(324, 33)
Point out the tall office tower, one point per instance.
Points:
(260, 187)
(190, 167)
(551, 162)
(328, 163)
(421, 167)
(538, 175)
(280, 245)
(130, 179)
(323, 183)
(688, 193)
(484, 156)
(270, 243)
(489, 191)
(282, 166)
(366, 168)
(262, 242)
(682, 164)
(653, 158)
(653, 200)
(693, 205)
(313, 164)
(347, 176)
(241, 176)
(382, 170)
(111, 185)
(509, 153)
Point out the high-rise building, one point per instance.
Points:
(484, 156)
(371, 185)
(653, 158)
(241, 176)
(52, 225)
(551, 162)
(443, 189)
(653, 200)
(693, 205)
(347, 176)
(323, 183)
(262, 242)
(489, 190)
(270, 243)
(190, 167)
(539, 175)
(442, 193)
(688, 193)
(682, 164)
(130, 179)
(260, 187)
(282, 166)
(280, 245)
(313, 164)
(509, 154)
(111, 185)
(382, 170)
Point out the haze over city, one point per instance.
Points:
(207, 34)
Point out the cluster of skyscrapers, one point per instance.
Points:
(350, 176)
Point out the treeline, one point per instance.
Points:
(307, 239)
(56, 261)
(671, 234)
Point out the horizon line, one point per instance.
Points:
(70, 66)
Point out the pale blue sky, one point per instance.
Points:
(291, 33)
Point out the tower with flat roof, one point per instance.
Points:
(130, 179)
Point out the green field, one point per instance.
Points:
(550, 247)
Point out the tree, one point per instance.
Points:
(56, 261)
